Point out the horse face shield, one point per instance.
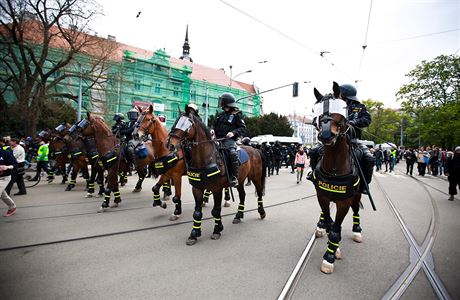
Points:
(179, 131)
(330, 115)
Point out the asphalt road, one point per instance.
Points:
(145, 257)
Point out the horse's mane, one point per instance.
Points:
(198, 120)
(100, 121)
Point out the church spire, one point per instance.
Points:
(186, 48)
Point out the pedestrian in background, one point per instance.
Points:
(378, 158)
(17, 175)
(7, 164)
(452, 172)
(386, 158)
(410, 157)
(42, 161)
(421, 165)
(300, 163)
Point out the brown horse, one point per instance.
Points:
(335, 177)
(205, 170)
(110, 153)
(58, 149)
(148, 123)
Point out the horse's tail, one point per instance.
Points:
(264, 170)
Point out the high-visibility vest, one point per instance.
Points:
(43, 153)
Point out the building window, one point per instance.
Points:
(175, 90)
(157, 88)
(137, 84)
(193, 95)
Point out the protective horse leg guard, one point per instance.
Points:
(106, 202)
(356, 223)
(71, 184)
(321, 223)
(206, 196)
(240, 214)
(196, 228)
(178, 203)
(156, 197)
(117, 197)
(227, 194)
(90, 187)
(332, 245)
(167, 189)
(260, 207)
(218, 226)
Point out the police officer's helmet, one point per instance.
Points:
(227, 99)
(118, 117)
(246, 141)
(348, 92)
(191, 106)
(133, 115)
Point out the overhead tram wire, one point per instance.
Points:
(286, 36)
(365, 40)
(419, 36)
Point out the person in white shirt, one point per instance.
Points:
(18, 173)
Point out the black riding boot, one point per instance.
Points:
(235, 168)
(367, 165)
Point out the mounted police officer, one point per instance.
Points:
(124, 130)
(358, 118)
(119, 123)
(229, 125)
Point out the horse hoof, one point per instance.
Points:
(173, 218)
(236, 221)
(136, 190)
(191, 241)
(338, 254)
(215, 236)
(327, 268)
(357, 237)
(89, 195)
(115, 205)
(163, 205)
(227, 204)
(319, 232)
(101, 210)
(262, 216)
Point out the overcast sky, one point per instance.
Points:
(221, 36)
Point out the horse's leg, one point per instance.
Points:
(73, 177)
(167, 190)
(325, 221)
(141, 174)
(197, 216)
(259, 184)
(114, 187)
(333, 251)
(92, 179)
(177, 179)
(357, 237)
(156, 192)
(206, 195)
(227, 197)
(63, 171)
(100, 180)
(216, 213)
(240, 214)
(112, 182)
(85, 172)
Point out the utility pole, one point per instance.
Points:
(401, 144)
(79, 95)
(206, 109)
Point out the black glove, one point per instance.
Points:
(351, 123)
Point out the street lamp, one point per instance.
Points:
(232, 78)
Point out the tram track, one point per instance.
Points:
(420, 257)
(102, 235)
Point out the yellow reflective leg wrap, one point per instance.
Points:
(196, 224)
(241, 207)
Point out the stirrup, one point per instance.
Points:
(233, 181)
(310, 176)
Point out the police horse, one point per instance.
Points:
(335, 177)
(206, 170)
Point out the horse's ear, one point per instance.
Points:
(139, 109)
(88, 115)
(317, 95)
(150, 109)
(336, 89)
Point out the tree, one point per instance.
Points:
(268, 124)
(432, 100)
(44, 43)
(384, 125)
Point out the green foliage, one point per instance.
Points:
(268, 124)
(385, 125)
(52, 114)
(432, 101)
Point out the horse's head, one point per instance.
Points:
(183, 129)
(146, 123)
(86, 126)
(330, 116)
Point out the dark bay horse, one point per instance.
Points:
(170, 166)
(205, 170)
(335, 177)
(110, 153)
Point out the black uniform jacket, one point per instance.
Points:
(229, 122)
